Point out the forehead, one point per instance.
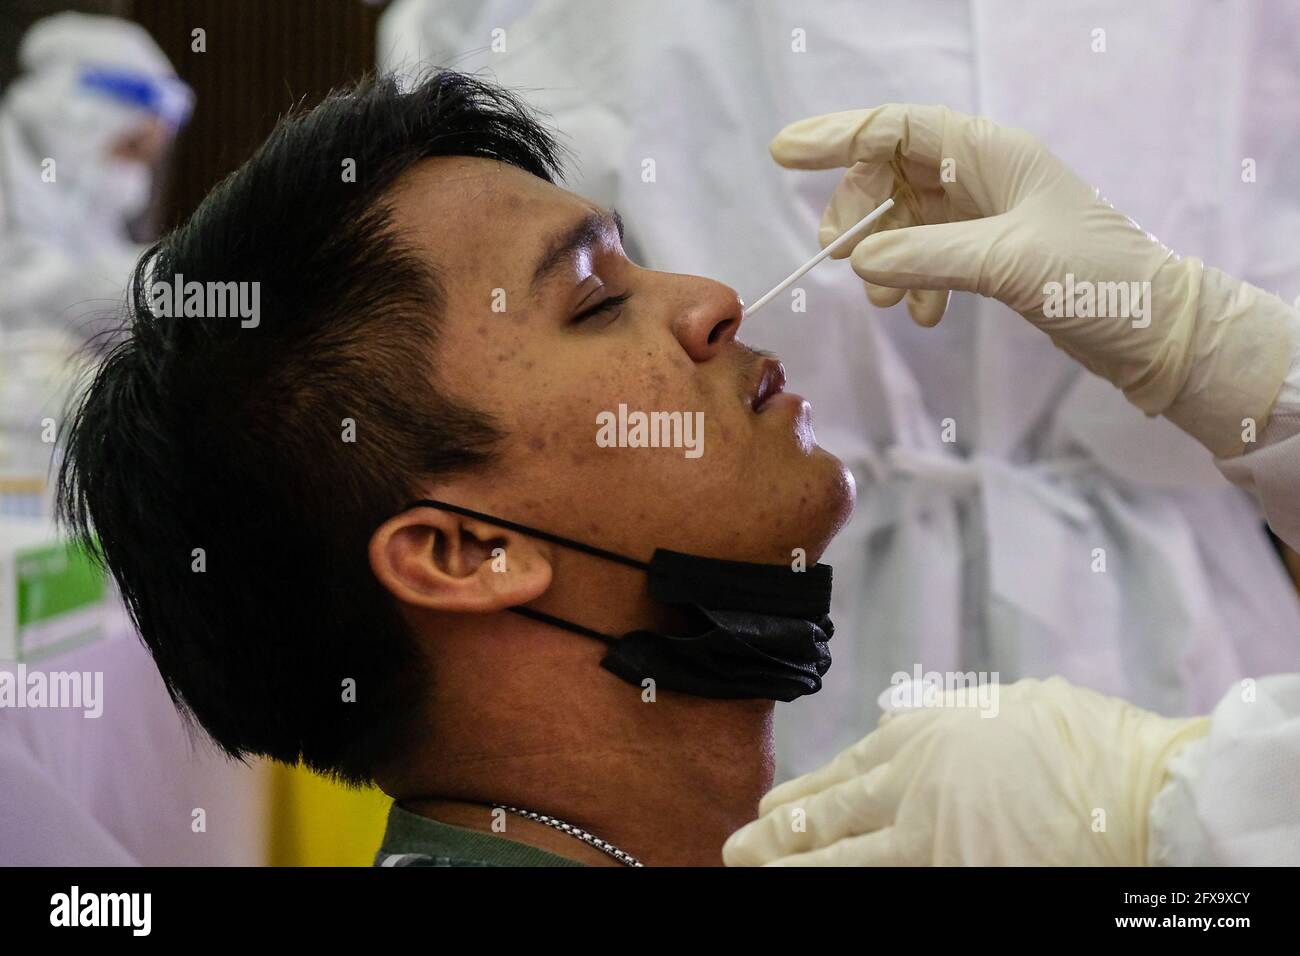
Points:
(479, 217)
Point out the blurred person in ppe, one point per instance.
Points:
(83, 130)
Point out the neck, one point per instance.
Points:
(667, 781)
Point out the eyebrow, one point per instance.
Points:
(564, 246)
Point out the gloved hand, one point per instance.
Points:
(1061, 775)
(987, 209)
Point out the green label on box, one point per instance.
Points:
(54, 580)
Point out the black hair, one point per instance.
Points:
(211, 433)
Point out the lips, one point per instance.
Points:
(771, 383)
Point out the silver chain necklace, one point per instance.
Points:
(627, 859)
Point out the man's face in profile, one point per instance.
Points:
(548, 361)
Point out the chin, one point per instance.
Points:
(829, 502)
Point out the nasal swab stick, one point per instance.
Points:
(870, 217)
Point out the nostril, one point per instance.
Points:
(719, 330)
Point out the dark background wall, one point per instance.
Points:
(262, 57)
(17, 15)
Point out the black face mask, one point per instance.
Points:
(758, 630)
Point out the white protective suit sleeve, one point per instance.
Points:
(1232, 796)
(1205, 815)
(1271, 471)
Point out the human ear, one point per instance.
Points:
(440, 561)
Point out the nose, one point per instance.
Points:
(708, 322)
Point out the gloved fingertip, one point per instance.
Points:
(927, 306)
(731, 855)
(808, 143)
(785, 149)
(870, 255)
(883, 297)
(740, 848)
(767, 804)
(924, 320)
(828, 233)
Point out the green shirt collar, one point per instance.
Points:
(413, 840)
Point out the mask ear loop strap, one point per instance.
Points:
(529, 612)
(531, 532)
(536, 615)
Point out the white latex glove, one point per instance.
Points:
(1061, 775)
(987, 209)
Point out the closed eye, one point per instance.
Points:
(608, 305)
